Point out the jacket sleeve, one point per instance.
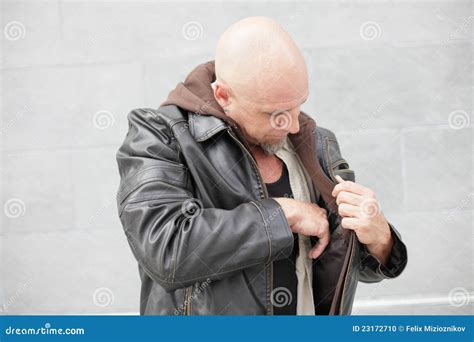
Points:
(174, 239)
(371, 270)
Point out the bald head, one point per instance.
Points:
(261, 80)
(260, 62)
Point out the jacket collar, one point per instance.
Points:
(202, 127)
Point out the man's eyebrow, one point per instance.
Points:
(283, 110)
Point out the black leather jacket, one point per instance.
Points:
(203, 230)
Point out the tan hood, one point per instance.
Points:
(195, 94)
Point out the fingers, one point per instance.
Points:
(350, 186)
(349, 198)
(348, 210)
(350, 223)
(320, 246)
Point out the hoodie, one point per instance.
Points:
(195, 94)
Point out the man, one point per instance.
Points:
(234, 202)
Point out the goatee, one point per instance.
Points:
(269, 149)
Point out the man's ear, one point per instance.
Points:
(221, 93)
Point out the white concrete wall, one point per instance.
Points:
(393, 79)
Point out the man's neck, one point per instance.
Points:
(269, 165)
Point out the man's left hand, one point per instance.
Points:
(361, 212)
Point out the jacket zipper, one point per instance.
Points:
(347, 272)
(187, 301)
(351, 245)
(263, 194)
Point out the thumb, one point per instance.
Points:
(320, 246)
(316, 251)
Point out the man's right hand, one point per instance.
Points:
(308, 219)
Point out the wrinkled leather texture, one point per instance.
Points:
(203, 230)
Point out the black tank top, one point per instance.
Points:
(284, 270)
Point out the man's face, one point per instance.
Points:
(267, 123)
(265, 103)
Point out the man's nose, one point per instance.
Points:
(295, 125)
